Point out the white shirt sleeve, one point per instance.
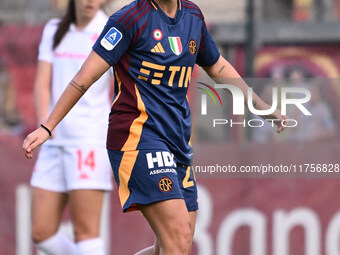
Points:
(46, 43)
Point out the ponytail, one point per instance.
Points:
(65, 23)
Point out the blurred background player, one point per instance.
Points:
(72, 167)
(322, 126)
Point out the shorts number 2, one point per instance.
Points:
(186, 182)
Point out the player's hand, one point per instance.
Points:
(279, 120)
(33, 140)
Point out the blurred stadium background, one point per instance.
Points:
(258, 216)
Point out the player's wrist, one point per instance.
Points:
(46, 129)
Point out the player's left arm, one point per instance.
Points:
(222, 69)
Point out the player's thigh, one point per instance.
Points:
(47, 209)
(155, 249)
(87, 167)
(169, 219)
(86, 206)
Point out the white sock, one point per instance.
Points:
(59, 244)
(94, 246)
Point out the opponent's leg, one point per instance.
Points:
(86, 206)
(171, 224)
(47, 209)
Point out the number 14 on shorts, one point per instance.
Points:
(86, 161)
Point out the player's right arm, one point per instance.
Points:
(93, 68)
(42, 90)
(43, 80)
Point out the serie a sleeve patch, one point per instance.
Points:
(111, 38)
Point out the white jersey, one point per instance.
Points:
(87, 121)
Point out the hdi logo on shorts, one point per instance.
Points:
(162, 158)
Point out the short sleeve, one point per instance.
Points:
(208, 53)
(46, 43)
(113, 42)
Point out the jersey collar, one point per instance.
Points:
(165, 17)
(155, 5)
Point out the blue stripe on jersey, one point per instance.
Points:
(129, 9)
(130, 14)
(135, 15)
(193, 9)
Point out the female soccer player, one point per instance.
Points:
(152, 46)
(72, 166)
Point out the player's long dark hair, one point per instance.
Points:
(64, 25)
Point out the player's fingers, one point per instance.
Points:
(26, 143)
(284, 119)
(33, 145)
(281, 124)
(28, 146)
(284, 122)
(29, 155)
(28, 152)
